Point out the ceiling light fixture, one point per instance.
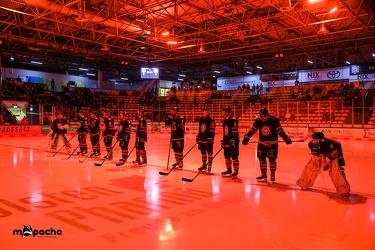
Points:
(333, 10)
(309, 61)
(35, 62)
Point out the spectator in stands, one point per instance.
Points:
(24, 121)
(53, 85)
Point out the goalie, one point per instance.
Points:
(58, 129)
(327, 154)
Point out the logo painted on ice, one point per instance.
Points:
(28, 231)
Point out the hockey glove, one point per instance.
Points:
(222, 144)
(288, 140)
(196, 139)
(231, 143)
(245, 140)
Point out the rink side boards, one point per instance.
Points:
(296, 133)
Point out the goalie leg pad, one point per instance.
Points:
(338, 178)
(309, 174)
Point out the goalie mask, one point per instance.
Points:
(317, 138)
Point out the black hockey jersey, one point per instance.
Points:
(268, 130)
(142, 129)
(328, 148)
(177, 128)
(124, 128)
(230, 129)
(83, 125)
(94, 126)
(109, 124)
(59, 126)
(207, 127)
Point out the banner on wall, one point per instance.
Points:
(232, 83)
(331, 74)
(20, 130)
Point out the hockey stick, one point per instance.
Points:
(76, 148)
(81, 161)
(190, 180)
(174, 165)
(122, 163)
(274, 141)
(169, 152)
(63, 145)
(105, 158)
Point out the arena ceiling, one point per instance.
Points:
(194, 38)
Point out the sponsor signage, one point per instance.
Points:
(20, 130)
(331, 74)
(232, 83)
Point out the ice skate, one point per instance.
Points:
(209, 168)
(82, 152)
(144, 161)
(108, 157)
(235, 174)
(180, 165)
(263, 177)
(227, 173)
(97, 154)
(122, 161)
(273, 177)
(203, 167)
(137, 161)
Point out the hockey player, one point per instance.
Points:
(177, 124)
(108, 133)
(230, 143)
(205, 139)
(141, 138)
(269, 130)
(327, 154)
(59, 128)
(94, 128)
(82, 132)
(124, 136)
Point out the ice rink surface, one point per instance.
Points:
(73, 205)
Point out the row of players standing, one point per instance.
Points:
(269, 129)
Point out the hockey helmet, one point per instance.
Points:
(227, 110)
(175, 109)
(263, 112)
(317, 138)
